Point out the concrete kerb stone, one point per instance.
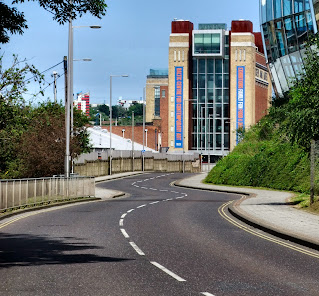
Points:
(237, 213)
(235, 210)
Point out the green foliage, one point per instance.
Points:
(13, 21)
(137, 108)
(299, 116)
(104, 109)
(264, 160)
(32, 138)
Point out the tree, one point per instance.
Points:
(115, 111)
(42, 146)
(32, 139)
(14, 113)
(12, 21)
(104, 109)
(137, 108)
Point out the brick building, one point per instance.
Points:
(217, 82)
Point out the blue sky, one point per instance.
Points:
(133, 39)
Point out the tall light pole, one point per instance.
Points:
(146, 136)
(111, 76)
(133, 141)
(184, 130)
(143, 152)
(69, 102)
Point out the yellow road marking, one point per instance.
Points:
(221, 211)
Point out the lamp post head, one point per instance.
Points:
(125, 75)
(95, 27)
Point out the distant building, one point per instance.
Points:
(127, 103)
(83, 102)
(157, 103)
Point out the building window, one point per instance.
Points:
(157, 101)
(163, 93)
(208, 43)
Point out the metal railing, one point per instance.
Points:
(27, 192)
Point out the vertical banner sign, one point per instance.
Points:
(240, 116)
(179, 107)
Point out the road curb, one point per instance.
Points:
(237, 213)
(177, 183)
(108, 178)
(234, 210)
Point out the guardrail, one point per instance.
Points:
(30, 192)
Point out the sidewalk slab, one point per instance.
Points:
(267, 209)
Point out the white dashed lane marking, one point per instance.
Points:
(137, 249)
(155, 202)
(121, 222)
(172, 274)
(141, 206)
(124, 233)
(207, 294)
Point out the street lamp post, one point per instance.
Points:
(133, 141)
(69, 102)
(143, 152)
(111, 76)
(184, 123)
(146, 136)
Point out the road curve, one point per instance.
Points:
(161, 240)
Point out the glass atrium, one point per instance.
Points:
(210, 86)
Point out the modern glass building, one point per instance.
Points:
(285, 26)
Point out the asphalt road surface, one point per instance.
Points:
(160, 240)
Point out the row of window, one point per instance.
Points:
(273, 9)
(222, 110)
(212, 95)
(210, 81)
(214, 142)
(210, 66)
(287, 35)
(261, 74)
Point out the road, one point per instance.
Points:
(160, 240)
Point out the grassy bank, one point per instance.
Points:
(264, 161)
(302, 201)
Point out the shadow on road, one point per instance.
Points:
(31, 250)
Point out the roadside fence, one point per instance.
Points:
(20, 193)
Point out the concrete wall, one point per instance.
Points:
(101, 167)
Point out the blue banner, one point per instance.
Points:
(240, 114)
(179, 107)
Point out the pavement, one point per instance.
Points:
(268, 210)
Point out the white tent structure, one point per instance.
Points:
(100, 139)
